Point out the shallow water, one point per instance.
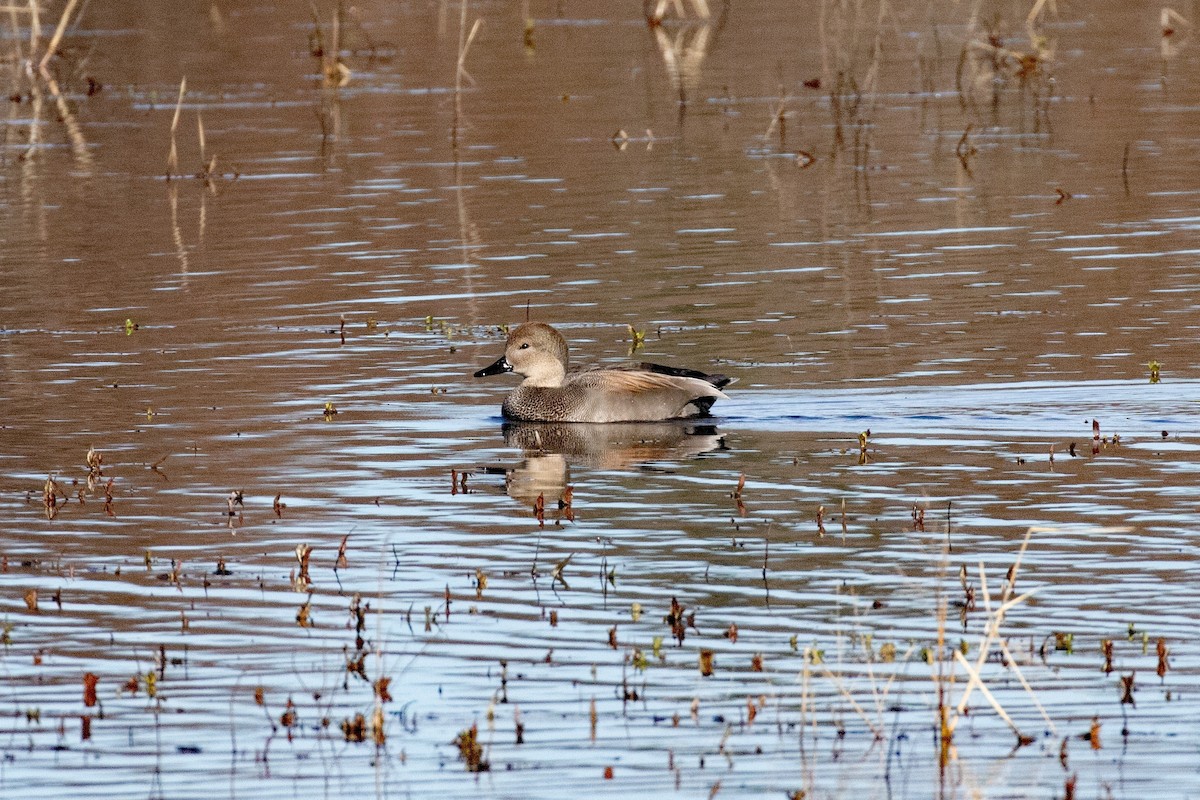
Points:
(975, 319)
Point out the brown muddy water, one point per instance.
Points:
(967, 233)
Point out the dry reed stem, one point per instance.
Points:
(35, 27)
(173, 158)
(337, 33)
(56, 38)
(1031, 18)
(465, 46)
(319, 33)
(976, 680)
(700, 6)
(200, 135)
(1169, 17)
(777, 115)
(992, 633)
(806, 701)
(74, 131)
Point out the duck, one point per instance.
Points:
(550, 392)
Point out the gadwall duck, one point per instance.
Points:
(641, 393)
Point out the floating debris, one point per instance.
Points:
(863, 438)
(108, 498)
(470, 751)
(303, 614)
(50, 493)
(303, 552)
(90, 681)
(556, 574)
(675, 619)
(1127, 688)
(564, 503)
(155, 467)
(637, 339)
(354, 729)
(1163, 664)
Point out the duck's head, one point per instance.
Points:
(536, 352)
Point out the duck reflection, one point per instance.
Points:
(552, 448)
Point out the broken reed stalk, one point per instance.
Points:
(778, 119)
(992, 633)
(1031, 21)
(1012, 664)
(976, 680)
(173, 158)
(56, 38)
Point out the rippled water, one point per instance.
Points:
(977, 268)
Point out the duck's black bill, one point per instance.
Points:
(501, 366)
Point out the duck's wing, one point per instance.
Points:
(719, 381)
(639, 380)
(623, 395)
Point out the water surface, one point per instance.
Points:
(972, 257)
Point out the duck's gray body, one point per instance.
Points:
(549, 393)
